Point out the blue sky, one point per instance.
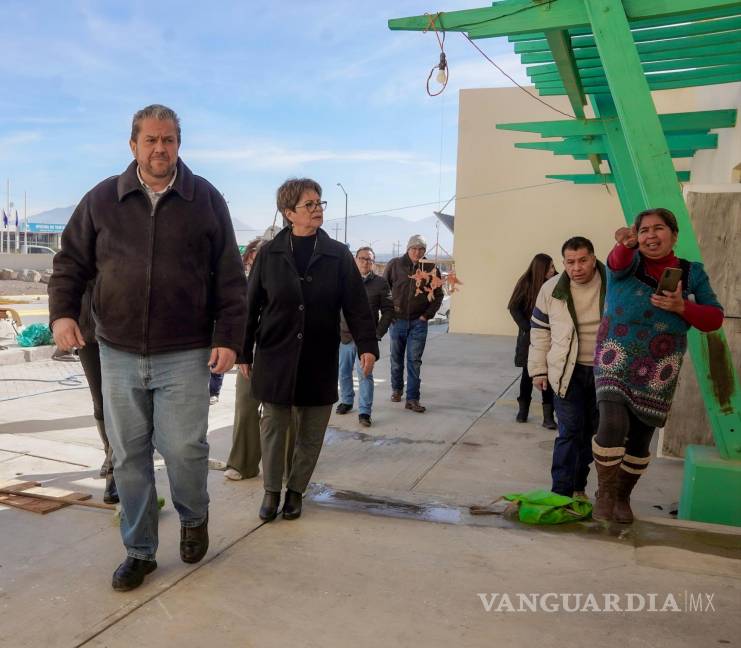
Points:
(264, 90)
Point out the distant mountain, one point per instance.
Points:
(57, 215)
(385, 234)
(389, 234)
(60, 215)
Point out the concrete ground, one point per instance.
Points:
(386, 553)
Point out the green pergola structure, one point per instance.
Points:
(616, 52)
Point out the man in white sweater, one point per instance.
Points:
(563, 336)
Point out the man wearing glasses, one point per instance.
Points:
(382, 310)
(413, 308)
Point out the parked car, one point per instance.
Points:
(443, 313)
(39, 249)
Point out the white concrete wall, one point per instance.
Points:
(504, 215)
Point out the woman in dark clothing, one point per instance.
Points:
(90, 360)
(520, 307)
(299, 283)
(640, 346)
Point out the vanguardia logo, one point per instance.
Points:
(597, 602)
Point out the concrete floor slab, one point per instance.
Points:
(319, 583)
(369, 563)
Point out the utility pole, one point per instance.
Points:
(25, 222)
(339, 184)
(336, 231)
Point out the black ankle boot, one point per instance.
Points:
(269, 508)
(548, 422)
(292, 505)
(194, 542)
(110, 494)
(523, 411)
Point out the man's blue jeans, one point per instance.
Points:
(156, 402)
(348, 360)
(409, 336)
(578, 419)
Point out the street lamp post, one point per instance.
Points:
(339, 184)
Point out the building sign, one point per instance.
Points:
(45, 228)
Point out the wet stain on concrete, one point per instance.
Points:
(639, 534)
(721, 370)
(336, 434)
(333, 435)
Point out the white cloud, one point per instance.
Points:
(277, 157)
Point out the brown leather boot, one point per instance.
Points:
(607, 462)
(631, 470)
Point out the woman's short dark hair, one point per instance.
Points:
(289, 193)
(251, 248)
(577, 243)
(670, 220)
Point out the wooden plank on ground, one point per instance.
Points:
(19, 499)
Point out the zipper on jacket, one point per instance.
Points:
(148, 287)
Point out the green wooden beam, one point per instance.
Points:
(657, 186)
(558, 42)
(654, 66)
(711, 44)
(655, 79)
(642, 24)
(525, 16)
(658, 80)
(596, 145)
(642, 35)
(671, 122)
(601, 178)
(550, 90)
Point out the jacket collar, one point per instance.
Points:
(324, 244)
(128, 182)
(562, 290)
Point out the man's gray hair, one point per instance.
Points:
(158, 111)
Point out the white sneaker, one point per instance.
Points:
(231, 473)
(213, 400)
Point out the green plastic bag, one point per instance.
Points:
(35, 335)
(545, 507)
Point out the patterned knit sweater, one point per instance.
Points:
(639, 346)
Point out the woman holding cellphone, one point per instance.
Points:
(640, 346)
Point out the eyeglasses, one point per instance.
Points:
(366, 259)
(313, 205)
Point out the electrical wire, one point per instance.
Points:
(444, 66)
(525, 90)
(428, 204)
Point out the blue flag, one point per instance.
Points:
(5, 220)
(16, 219)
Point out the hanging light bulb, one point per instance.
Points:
(442, 74)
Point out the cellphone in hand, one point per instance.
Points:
(669, 280)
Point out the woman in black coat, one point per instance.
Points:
(299, 283)
(520, 306)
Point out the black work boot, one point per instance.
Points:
(110, 494)
(548, 421)
(194, 542)
(292, 505)
(131, 572)
(269, 508)
(107, 466)
(523, 411)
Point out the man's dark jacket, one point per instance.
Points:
(407, 305)
(379, 299)
(293, 322)
(167, 280)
